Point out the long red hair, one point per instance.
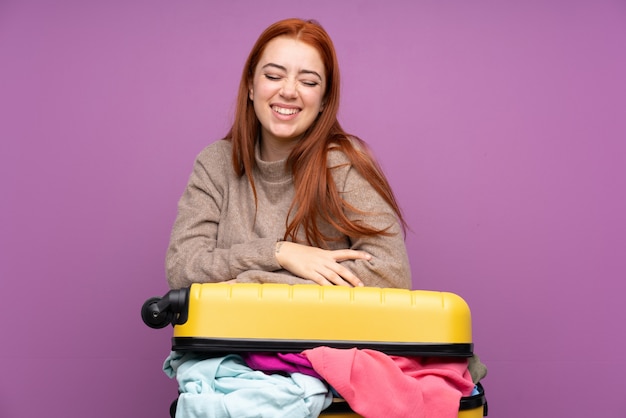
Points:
(316, 197)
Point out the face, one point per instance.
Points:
(287, 90)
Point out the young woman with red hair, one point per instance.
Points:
(288, 196)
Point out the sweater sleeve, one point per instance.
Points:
(193, 255)
(389, 265)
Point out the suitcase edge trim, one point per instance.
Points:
(269, 345)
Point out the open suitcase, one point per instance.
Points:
(224, 318)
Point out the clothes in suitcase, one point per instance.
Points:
(219, 319)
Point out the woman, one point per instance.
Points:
(288, 196)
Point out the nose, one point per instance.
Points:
(289, 89)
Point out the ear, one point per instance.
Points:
(250, 90)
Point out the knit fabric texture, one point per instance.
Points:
(221, 235)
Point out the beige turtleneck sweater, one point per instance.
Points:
(216, 236)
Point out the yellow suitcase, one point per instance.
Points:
(229, 318)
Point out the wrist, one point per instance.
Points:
(277, 253)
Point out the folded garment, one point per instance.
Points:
(225, 387)
(477, 369)
(377, 385)
(280, 363)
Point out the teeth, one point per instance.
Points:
(283, 111)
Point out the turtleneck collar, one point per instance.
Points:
(271, 171)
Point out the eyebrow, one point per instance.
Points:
(283, 68)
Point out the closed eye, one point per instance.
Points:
(309, 83)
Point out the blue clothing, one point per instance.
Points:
(225, 387)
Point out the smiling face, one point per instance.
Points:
(287, 90)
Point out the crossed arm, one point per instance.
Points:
(194, 254)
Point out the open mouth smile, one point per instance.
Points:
(285, 111)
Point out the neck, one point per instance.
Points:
(276, 150)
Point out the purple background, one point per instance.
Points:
(501, 125)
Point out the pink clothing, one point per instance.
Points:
(377, 385)
(280, 363)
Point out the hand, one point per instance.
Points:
(318, 265)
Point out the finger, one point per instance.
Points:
(343, 255)
(334, 278)
(346, 275)
(321, 280)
